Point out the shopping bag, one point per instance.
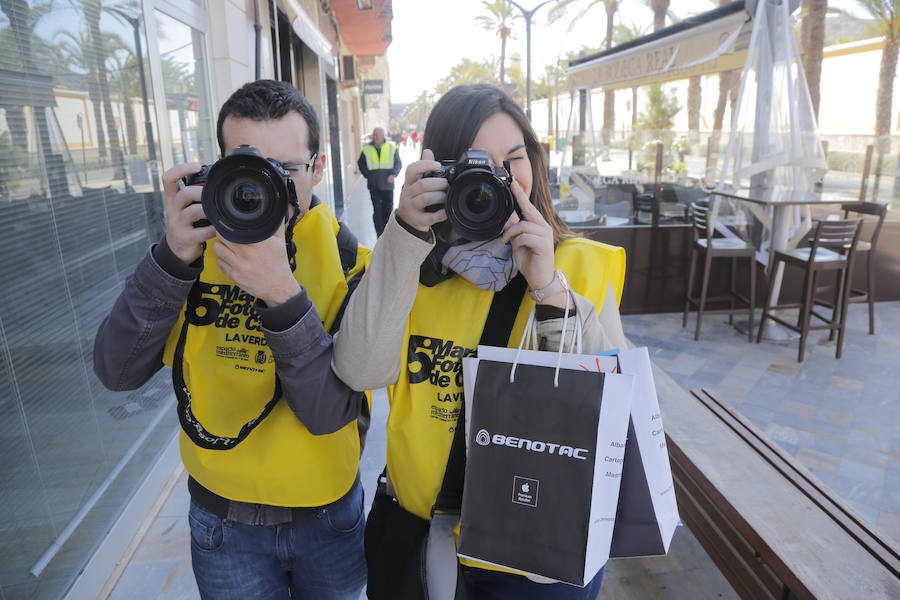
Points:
(546, 435)
(648, 513)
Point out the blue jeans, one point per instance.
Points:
(482, 584)
(317, 556)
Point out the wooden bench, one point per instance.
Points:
(770, 526)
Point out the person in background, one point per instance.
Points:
(380, 163)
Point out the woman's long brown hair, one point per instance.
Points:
(455, 120)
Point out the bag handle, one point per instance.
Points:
(531, 331)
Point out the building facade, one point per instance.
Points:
(97, 99)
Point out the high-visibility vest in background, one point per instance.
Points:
(380, 160)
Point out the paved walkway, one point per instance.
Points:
(160, 566)
(839, 418)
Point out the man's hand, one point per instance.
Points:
(419, 192)
(390, 178)
(182, 209)
(262, 269)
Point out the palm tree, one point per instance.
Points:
(813, 42)
(660, 10)
(728, 90)
(21, 49)
(546, 87)
(611, 6)
(125, 79)
(417, 112)
(500, 18)
(626, 33)
(695, 91)
(92, 10)
(467, 71)
(22, 20)
(77, 51)
(886, 14)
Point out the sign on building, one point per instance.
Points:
(373, 86)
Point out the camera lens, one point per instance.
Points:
(478, 205)
(479, 199)
(248, 199)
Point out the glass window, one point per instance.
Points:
(79, 206)
(183, 56)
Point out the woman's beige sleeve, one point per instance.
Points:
(368, 346)
(599, 333)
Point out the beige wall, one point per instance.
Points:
(232, 56)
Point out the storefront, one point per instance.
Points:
(96, 101)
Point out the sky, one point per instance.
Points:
(430, 36)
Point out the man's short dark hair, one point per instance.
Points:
(268, 100)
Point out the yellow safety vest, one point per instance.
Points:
(382, 160)
(443, 327)
(229, 373)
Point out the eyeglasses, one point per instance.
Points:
(294, 166)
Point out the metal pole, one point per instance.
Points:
(135, 23)
(528, 66)
(148, 125)
(528, 14)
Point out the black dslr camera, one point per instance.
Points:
(480, 199)
(245, 196)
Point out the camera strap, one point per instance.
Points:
(347, 248)
(189, 422)
(497, 329)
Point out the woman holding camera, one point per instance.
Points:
(428, 299)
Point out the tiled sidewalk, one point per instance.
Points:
(840, 418)
(160, 567)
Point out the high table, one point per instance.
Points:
(781, 199)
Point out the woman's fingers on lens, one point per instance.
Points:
(422, 201)
(528, 209)
(525, 227)
(417, 169)
(429, 184)
(438, 216)
(528, 240)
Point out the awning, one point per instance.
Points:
(711, 42)
(365, 32)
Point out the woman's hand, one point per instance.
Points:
(419, 193)
(532, 243)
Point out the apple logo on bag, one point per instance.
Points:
(525, 491)
(483, 437)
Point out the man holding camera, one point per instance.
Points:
(270, 437)
(379, 163)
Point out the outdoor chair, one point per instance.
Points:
(709, 247)
(651, 263)
(818, 257)
(867, 247)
